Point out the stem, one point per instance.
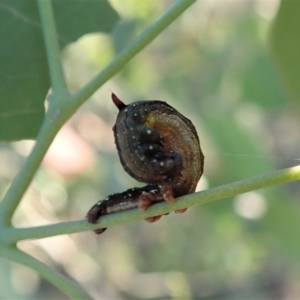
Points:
(58, 82)
(129, 52)
(52, 123)
(25, 175)
(66, 109)
(64, 284)
(283, 176)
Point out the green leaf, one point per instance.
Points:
(285, 44)
(24, 72)
(76, 18)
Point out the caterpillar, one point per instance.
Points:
(156, 145)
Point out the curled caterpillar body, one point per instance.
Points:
(157, 145)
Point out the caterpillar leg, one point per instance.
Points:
(140, 198)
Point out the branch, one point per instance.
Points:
(60, 111)
(228, 190)
(21, 182)
(129, 52)
(66, 285)
(54, 119)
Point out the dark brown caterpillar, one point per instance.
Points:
(156, 145)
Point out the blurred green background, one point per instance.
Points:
(214, 66)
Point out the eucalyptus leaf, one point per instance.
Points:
(24, 71)
(285, 44)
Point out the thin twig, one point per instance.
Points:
(132, 50)
(66, 285)
(58, 82)
(213, 194)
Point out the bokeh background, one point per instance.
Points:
(213, 65)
